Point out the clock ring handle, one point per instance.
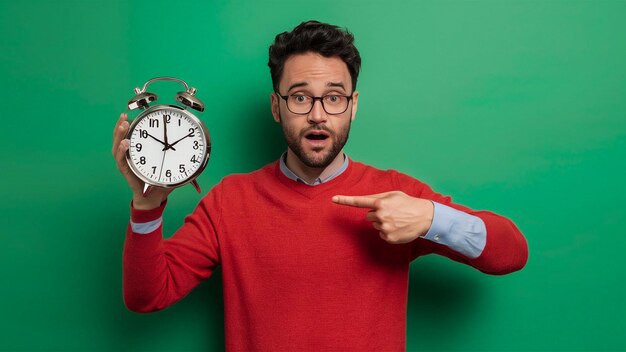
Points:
(143, 98)
(145, 86)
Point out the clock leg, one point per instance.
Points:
(146, 189)
(196, 185)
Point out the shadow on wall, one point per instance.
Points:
(258, 139)
(200, 313)
(441, 300)
(195, 322)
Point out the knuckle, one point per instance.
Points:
(393, 240)
(390, 236)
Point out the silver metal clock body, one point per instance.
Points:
(169, 147)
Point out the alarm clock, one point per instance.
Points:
(169, 145)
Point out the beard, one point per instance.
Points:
(315, 158)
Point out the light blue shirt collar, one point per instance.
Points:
(291, 175)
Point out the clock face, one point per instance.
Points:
(168, 146)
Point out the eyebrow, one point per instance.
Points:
(335, 84)
(305, 83)
(298, 84)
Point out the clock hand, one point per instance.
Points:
(156, 139)
(160, 141)
(162, 161)
(171, 145)
(165, 131)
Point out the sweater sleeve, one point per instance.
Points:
(158, 272)
(505, 249)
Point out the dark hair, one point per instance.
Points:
(313, 36)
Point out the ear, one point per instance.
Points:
(274, 102)
(355, 103)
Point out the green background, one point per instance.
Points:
(515, 107)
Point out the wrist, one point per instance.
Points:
(428, 221)
(138, 216)
(141, 203)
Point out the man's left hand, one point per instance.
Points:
(399, 218)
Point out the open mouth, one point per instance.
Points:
(317, 135)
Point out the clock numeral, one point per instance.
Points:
(191, 131)
(168, 173)
(195, 145)
(194, 160)
(181, 168)
(138, 147)
(153, 170)
(143, 133)
(142, 160)
(178, 122)
(154, 123)
(167, 118)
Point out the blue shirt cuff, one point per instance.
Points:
(145, 228)
(462, 232)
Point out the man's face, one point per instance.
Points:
(316, 138)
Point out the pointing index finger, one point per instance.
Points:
(356, 201)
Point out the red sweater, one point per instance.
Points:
(299, 272)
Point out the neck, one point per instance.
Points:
(310, 174)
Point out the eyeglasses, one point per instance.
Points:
(302, 104)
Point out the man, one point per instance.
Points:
(314, 248)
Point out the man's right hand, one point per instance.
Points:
(120, 146)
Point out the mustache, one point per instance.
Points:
(317, 128)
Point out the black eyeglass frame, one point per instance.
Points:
(286, 97)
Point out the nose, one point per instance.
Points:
(317, 114)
